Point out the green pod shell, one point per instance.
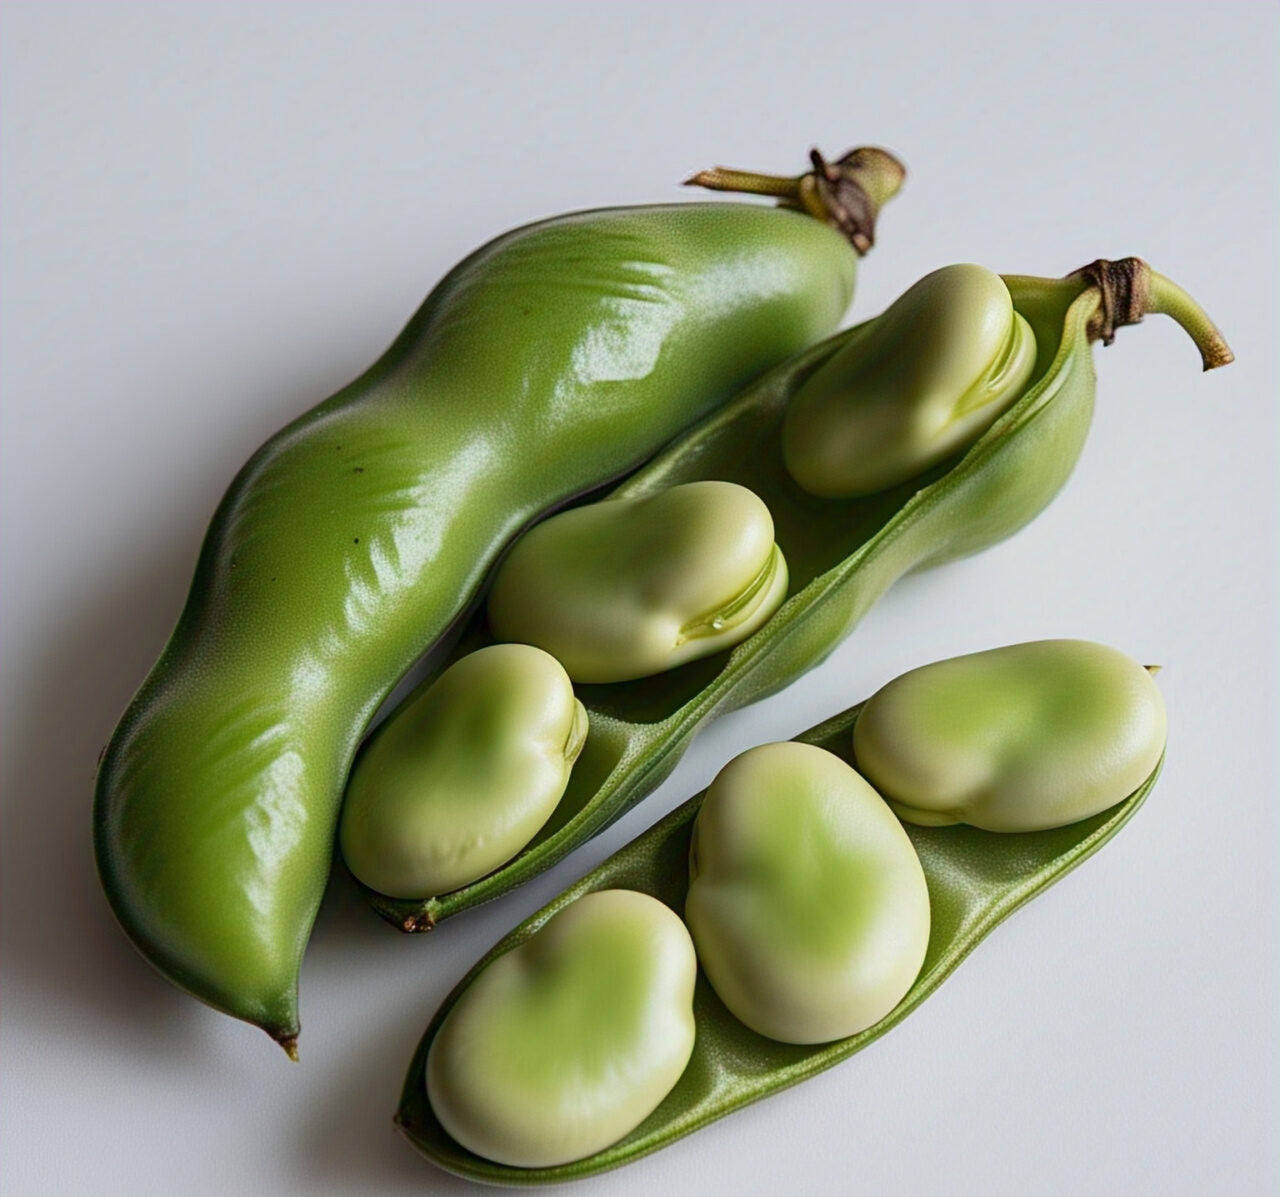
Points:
(462, 777)
(807, 903)
(1019, 738)
(976, 880)
(842, 555)
(920, 382)
(566, 1043)
(626, 588)
(554, 359)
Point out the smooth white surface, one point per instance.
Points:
(212, 217)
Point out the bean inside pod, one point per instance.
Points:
(628, 588)
(462, 777)
(975, 879)
(1018, 738)
(842, 554)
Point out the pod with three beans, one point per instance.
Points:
(983, 443)
(814, 913)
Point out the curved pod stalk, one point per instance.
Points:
(842, 554)
(976, 879)
(553, 360)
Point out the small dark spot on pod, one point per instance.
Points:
(358, 470)
(356, 541)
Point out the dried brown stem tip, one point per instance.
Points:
(1123, 291)
(1129, 289)
(846, 194)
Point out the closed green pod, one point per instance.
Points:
(807, 903)
(460, 779)
(565, 1044)
(626, 588)
(1019, 738)
(552, 360)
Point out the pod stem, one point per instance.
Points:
(1129, 289)
(846, 194)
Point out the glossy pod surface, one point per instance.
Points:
(553, 359)
(625, 588)
(807, 903)
(976, 879)
(461, 779)
(569, 1041)
(918, 383)
(842, 555)
(1018, 738)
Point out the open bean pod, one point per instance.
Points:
(842, 554)
(976, 879)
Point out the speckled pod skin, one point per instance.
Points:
(842, 555)
(976, 879)
(554, 359)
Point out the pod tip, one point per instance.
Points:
(418, 923)
(290, 1045)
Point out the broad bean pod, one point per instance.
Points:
(976, 879)
(842, 555)
(550, 362)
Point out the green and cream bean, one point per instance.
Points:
(807, 902)
(462, 777)
(626, 588)
(919, 383)
(567, 1042)
(1019, 738)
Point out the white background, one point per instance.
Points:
(214, 217)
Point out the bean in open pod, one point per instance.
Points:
(1018, 738)
(917, 384)
(626, 588)
(807, 902)
(569, 1041)
(458, 781)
